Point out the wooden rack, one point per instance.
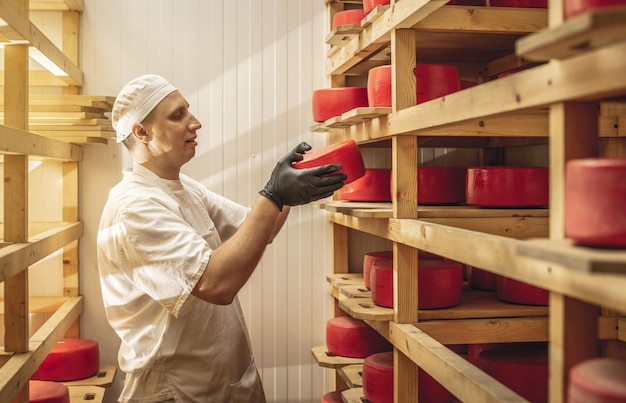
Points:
(570, 96)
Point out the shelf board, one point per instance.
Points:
(578, 34)
(327, 360)
(15, 141)
(91, 394)
(474, 305)
(342, 34)
(581, 258)
(352, 375)
(56, 5)
(353, 395)
(104, 378)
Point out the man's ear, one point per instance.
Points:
(140, 133)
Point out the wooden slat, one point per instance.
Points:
(326, 359)
(353, 395)
(352, 375)
(91, 394)
(18, 369)
(14, 141)
(342, 34)
(15, 258)
(56, 5)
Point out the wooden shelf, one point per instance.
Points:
(328, 360)
(352, 375)
(56, 5)
(353, 395)
(91, 394)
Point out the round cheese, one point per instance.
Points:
(47, 392)
(369, 260)
(374, 186)
(378, 377)
(482, 279)
(598, 380)
(507, 186)
(345, 153)
(331, 102)
(69, 360)
(348, 17)
(349, 337)
(518, 292)
(332, 397)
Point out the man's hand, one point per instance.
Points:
(289, 186)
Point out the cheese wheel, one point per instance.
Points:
(374, 186)
(47, 392)
(379, 86)
(440, 283)
(435, 80)
(523, 369)
(595, 212)
(572, 8)
(348, 17)
(378, 378)
(332, 397)
(476, 348)
(598, 380)
(518, 292)
(349, 337)
(69, 360)
(345, 153)
(482, 279)
(507, 186)
(368, 261)
(441, 185)
(331, 102)
(370, 5)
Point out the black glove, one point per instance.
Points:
(289, 186)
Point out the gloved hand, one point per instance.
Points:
(289, 186)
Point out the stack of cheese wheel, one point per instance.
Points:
(345, 153)
(349, 337)
(595, 211)
(374, 186)
(370, 259)
(47, 392)
(522, 368)
(518, 292)
(332, 397)
(572, 8)
(370, 5)
(440, 283)
(348, 17)
(507, 186)
(332, 102)
(598, 380)
(482, 279)
(70, 360)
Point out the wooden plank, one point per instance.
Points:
(91, 394)
(454, 372)
(404, 176)
(405, 283)
(342, 34)
(83, 140)
(352, 375)
(353, 395)
(406, 375)
(355, 291)
(70, 214)
(578, 34)
(16, 257)
(25, 29)
(576, 257)
(108, 134)
(326, 359)
(14, 141)
(340, 279)
(20, 367)
(56, 5)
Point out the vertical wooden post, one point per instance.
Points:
(70, 42)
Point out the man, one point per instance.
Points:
(173, 255)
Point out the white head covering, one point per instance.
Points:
(136, 100)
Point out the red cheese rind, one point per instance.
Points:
(595, 212)
(507, 186)
(332, 397)
(374, 186)
(378, 378)
(572, 8)
(381, 283)
(345, 153)
(69, 360)
(523, 369)
(368, 261)
(518, 292)
(598, 380)
(379, 86)
(441, 185)
(331, 102)
(435, 80)
(370, 5)
(349, 337)
(47, 392)
(348, 17)
(482, 279)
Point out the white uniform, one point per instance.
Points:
(154, 243)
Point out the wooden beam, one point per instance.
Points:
(14, 141)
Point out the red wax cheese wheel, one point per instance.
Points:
(331, 102)
(436, 80)
(368, 261)
(70, 360)
(518, 292)
(379, 86)
(349, 337)
(519, 3)
(369, 5)
(482, 279)
(523, 369)
(440, 283)
(507, 186)
(374, 186)
(595, 211)
(467, 84)
(441, 185)
(332, 397)
(348, 17)
(474, 349)
(47, 392)
(575, 7)
(598, 380)
(429, 390)
(378, 378)
(345, 153)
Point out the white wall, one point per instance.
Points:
(248, 69)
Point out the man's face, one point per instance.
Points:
(172, 129)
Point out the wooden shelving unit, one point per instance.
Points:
(570, 97)
(42, 129)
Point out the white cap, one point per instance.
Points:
(136, 100)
